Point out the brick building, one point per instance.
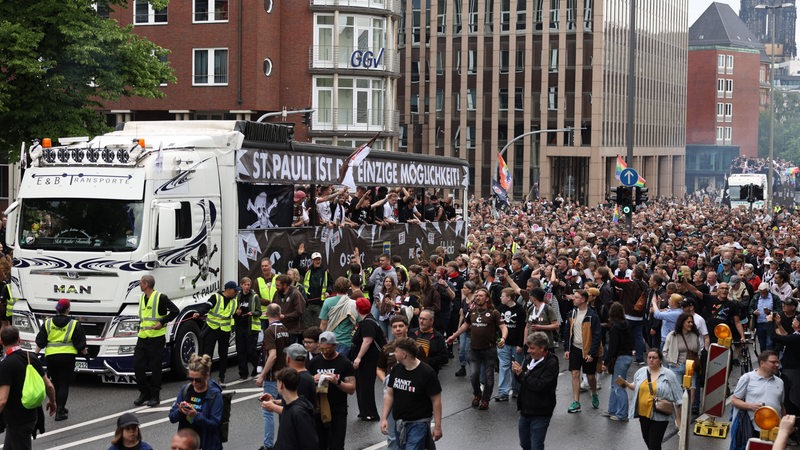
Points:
(240, 60)
(723, 95)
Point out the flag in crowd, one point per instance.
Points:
(498, 190)
(616, 214)
(622, 165)
(505, 174)
(355, 159)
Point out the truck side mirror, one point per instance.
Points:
(11, 225)
(166, 224)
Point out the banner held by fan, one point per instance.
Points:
(354, 160)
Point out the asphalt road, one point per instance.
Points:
(94, 408)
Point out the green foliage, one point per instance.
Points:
(59, 60)
(787, 128)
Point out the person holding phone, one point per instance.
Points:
(198, 405)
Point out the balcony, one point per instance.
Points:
(379, 6)
(373, 62)
(355, 120)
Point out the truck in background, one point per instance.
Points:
(168, 199)
(739, 192)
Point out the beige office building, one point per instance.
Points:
(479, 73)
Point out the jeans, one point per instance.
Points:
(483, 367)
(464, 342)
(416, 435)
(764, 336)
(507, 379)
(343, 349)
(270, 387)
(618, 398)
(636, 327)
(532, 431)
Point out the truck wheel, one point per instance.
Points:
(186, 343)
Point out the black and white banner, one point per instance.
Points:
(336, 245)
(379, 169)
(263, 206)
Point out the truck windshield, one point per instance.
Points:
(80, 224)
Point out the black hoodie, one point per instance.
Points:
(297, 428)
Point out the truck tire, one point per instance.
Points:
(186, 343)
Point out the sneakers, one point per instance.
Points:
(618, 419)
(484, 405)
(476, 400)
(501, 398)
(595, 401)
(606, 414)
(575, 407)
(462, 372)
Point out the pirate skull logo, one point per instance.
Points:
(262, 211)
(202, 262)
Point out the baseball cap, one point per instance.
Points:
(572, 273)
(778, 251)
(62, 305)
(789, 301)
(126, 420)
(726, 262)
(299, 195)
(327, 337)
(735, 279)
(687, 302)
(231, 285)
(316, 255)
(296, 352)
(763, 287)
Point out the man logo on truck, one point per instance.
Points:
(71, 289)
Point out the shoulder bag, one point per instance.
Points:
(661, 405)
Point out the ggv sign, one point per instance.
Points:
(366, 59)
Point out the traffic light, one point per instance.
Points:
(625, 199)
(307, 119)
(641, 195)
(612, 195)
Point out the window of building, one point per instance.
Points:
(552, 98)
(505, 15)
(720, 63)
(520, 67)
(473, 16)
(572, 11)
(720, 111)
(519, 98)
(103, 8)
(415, 103)
(415, 24)
(728, 111)
(439, 99)
(210, 67)
(210, 10)
(728, 133)
(555, 14)
(144, 14)
(471, 133)
(553, 60)
(441, 28)
(439, 63)
(415, 71)
(267, 67)
(503, 99)
(504, 61)
(403, 138)
(720, 87)
(521, 11)
(728, 88)
(361, 100)
(720, 133)
(323, 36)
(537, 13)
(588, 16)
(729, 64)
(323, 93)
(471, 99)
(456, 16)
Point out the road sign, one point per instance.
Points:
(716, 380)
(629, 177)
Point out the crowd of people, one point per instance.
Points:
(535, 282)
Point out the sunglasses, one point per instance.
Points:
(196, 380)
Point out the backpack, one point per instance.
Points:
(224, 424)
(33, 389)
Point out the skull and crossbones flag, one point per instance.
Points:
(263, 206)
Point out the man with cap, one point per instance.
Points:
(62, 338)
(219, 310)
(317, 282)
(296, 356)
(156, 310)
(300, 212)
(727, 271)
(276, 339)
(761, 307)
(128, 435)
(335, 376)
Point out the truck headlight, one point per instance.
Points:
(23, 323)
(127, 328)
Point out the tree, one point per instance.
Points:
(60, 59)
(787, 128)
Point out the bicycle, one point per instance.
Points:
(745, 360)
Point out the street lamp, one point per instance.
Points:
(770, 173)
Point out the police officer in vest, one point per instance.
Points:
(62, 338)
(156, 311)
(265, 285)
(219, 310)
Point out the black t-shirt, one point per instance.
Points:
(514, 318)
(307, 388)
(368, 328)
(12, 374)
(341, 366)
(412, 391)
(721, 312)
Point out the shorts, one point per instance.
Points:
(576, 361)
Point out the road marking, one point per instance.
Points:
(135, 410)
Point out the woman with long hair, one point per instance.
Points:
(620, 357)
(431, 298)
(386, 303)
(682, 344)
(128, 434)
